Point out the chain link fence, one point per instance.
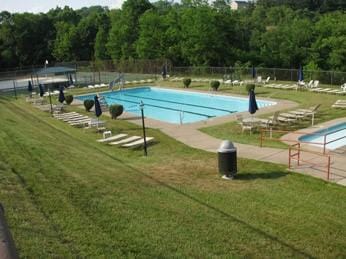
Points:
(85, 73)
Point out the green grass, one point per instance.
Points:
(68, 196)
(305, 99)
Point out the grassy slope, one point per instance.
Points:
(67, 196)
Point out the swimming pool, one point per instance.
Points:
(336, 133)
(176, 106)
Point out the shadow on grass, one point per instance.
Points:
(255, 176)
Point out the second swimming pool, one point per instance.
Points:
(176, 106)
(335, 137)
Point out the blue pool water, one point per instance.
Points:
(335, 132)
(175, 106)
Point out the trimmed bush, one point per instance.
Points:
(250, 87)
(116, 110)
(215, 85)
(69, 99)
(88, 104)
(187, 82)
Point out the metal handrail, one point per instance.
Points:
(298, 154)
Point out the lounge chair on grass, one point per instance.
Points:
(276, 119)
(339, 105)
(139, 142)
(112, 138)
(77, 118)
(123, 141)
(80, 123)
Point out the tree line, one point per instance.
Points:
(280, 33)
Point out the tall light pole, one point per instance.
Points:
(141, 105)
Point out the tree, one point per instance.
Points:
(124, 31)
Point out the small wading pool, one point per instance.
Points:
(176, 106)
(336, 133)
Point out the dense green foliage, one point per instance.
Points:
(250, 87)
(215, 85)
(69, 99)
(186, 82)
(88, 104)
(116, 110)
(271, 33)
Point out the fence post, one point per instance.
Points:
(324, 144)
(14, 88)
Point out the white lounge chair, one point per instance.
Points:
(138, 142)
(112, 138)
(339, 105)
(267, 80)
(123, 141)
(316, 84)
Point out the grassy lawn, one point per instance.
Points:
(68, 196)
(305, 99)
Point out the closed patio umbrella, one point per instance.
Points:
(300, 74)
(61, 95)
(71, 80)
(98, 110)
(253, 71)
(41, 90)
(164, 71)
(30, 88)
(252, 102)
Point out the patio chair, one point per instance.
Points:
(276, 119)
(309, 110)
(138, 142)
(244, 125)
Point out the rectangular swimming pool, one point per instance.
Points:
(336, 135)
(176, 106)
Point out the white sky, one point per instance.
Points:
(37, 6)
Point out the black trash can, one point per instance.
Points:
(227, 155)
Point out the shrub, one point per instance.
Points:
(88, 104)
(250, 87)
(116, 110)
(187, 82)
(69, 99)
(215, 85)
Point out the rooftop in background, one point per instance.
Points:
(56, 70)
(240, 4)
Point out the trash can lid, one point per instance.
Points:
(226, 146)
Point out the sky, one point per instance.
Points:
(37, 6)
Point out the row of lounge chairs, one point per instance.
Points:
(311, 86)
(284, 118)
(143, 81)
(78, 120)
(124, 140)
(340, 104)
